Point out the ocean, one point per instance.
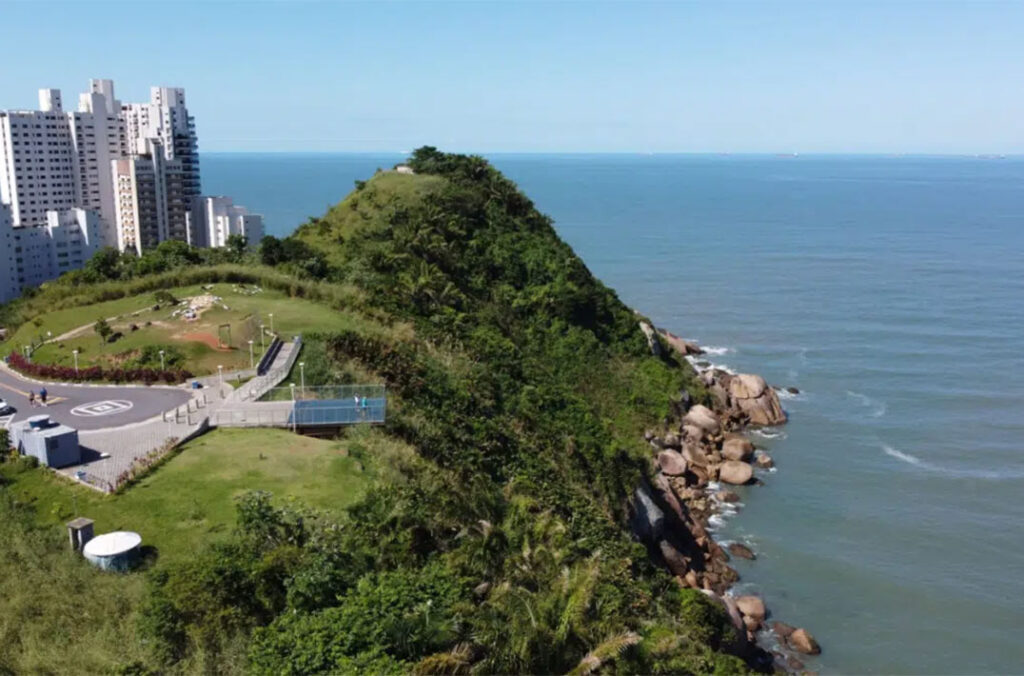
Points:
(890, 291)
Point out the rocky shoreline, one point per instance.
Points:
(696, 453)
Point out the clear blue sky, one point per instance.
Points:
(574, 76)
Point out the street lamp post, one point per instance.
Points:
(271, 322)
(163, 366)
(302, 373)
(75, 352)
(252, 360)
(220, 370)
(295, 422)
(263, 335)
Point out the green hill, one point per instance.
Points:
(501, 545)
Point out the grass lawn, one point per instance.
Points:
(195, 341)
(190, 499)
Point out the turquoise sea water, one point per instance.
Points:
(891, 292)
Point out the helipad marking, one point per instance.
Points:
(99, 408)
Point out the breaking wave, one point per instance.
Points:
(953, 473)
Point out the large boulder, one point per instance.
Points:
(737, 449)
(802, 642)
(735, 472)
(672, 463)
(673, 558)
(752, 606)
(683, 347)
(692, 433)
(704, 418)
(782, 630)
(764, 461)
(648, 520)
(729, 604)
(754, 399)
(695, 456)
(741, 550)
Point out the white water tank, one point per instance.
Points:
(114, 551)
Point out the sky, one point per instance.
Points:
(759, 77)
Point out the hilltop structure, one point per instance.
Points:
(109, 174)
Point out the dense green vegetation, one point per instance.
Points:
(500, 544)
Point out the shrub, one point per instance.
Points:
(60, 373)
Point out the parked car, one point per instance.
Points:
(5, 408)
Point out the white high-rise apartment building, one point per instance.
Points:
(99, 138)
(214, 219)
(52, 159)
(9, 286)
(166, 119)
(107, 174)
(151, 200)
(38, 160)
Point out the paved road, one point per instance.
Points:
(90, 407)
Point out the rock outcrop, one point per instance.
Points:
(703, 418)
(802, 642)
(652, 338)
(735, 472)
(752, 606)
(737, 449)
(683, 347)
(672, 463)
(758, 402)
(742, 551)
(698, 444)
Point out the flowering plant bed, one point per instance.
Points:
(96, 373)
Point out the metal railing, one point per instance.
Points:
(304, 413)
(341, 393)
(257, 387)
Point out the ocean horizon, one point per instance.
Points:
(888, 290)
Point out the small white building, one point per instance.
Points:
(213, 220)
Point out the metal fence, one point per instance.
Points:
(339, 412)
(339, 393)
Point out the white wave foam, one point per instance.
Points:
(769, 433)
(786, 395)
(878, 408)
(992, 475)
(697, 360)
(716, 521)
(716, 351)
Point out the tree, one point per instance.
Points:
(102, 329)
(236, 246)
(271, 250)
